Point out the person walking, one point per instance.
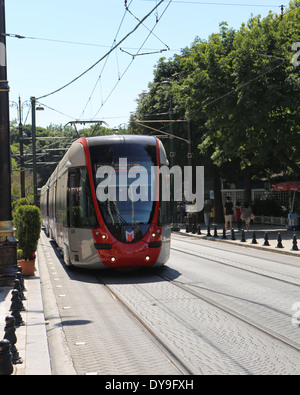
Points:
(228, 212)
(247, 215)
(238, 215)
(207, 210)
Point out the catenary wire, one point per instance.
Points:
(133, 58)
(105, 63)
(103, 57)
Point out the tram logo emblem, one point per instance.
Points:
(129, 236)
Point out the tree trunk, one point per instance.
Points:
(219, 211)
(247, 184)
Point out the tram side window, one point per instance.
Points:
(80, 203)
(165, 216)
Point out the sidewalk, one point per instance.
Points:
(260, 231)
(32, 342)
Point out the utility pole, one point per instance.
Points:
(33, 132)
(8, 243)
(22, 168)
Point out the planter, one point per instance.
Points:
(28, 267)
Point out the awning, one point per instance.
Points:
(287, 186)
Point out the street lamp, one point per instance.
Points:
(8, 243)
(19, 107)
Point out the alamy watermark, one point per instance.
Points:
(138, 183)
(296, 315)
(296, 56)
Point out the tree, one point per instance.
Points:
(52, 144)
(242, 93)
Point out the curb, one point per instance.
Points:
(242, 244)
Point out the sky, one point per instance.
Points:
(64, 38)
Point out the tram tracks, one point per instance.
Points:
(174, 359)
(275, 335)
(236, 265)
(181, 362)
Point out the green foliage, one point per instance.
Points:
(242, 93)
(268, 207)
(27, 220)
(52, 144)
(20, 202)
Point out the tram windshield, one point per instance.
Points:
(123, 175)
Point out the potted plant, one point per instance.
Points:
(27, 220)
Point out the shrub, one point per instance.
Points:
(27, 220)
(20, 202)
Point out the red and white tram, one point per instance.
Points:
(119, 233)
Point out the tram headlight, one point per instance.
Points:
(147, 258)
(113, 259)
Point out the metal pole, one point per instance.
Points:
(190, 152)
(33, 132)
(174, 224)
(8, 243)
(22, 169)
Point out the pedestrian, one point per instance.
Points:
(207, 209)
(180, 212)
(247, 215)
(228, 212)
(238, 215)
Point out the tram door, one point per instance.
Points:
(73, 208)
(81, 212)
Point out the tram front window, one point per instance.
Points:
(129, 212)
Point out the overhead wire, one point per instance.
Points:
(13, 35)
(133, 58)
(220, 4)
(124, 38)
(105, 56)
(105, 63)
(120, 76)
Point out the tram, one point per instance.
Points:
(131, 227)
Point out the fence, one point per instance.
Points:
(282, 221)
(237, 195)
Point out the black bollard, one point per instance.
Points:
(266, 243)
(20, 269)
(295, 245)
(187, 228)
(199, 230)
(18, 286)
(224, 237)
(208, 232)
(216, 232)
(194, 229)
(232, 235)
(19, 277)
(243, 240)
(10, 334)
(254, 241)
(6, 366)
(16, 307)
(279, 241)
